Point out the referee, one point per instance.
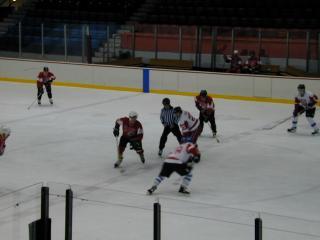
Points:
(169, 122)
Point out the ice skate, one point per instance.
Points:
(142, 159)
(292, 130)
(151, 190)
(160, 152)
(315, 132)
(117, 164)
(183, 190)
(39, 102)
(51, 101)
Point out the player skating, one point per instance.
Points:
(45, 78)
(4, 134)
(205, 105)
(305, 102)
(189, 125)
(180, 161)
(132, 133)
(169, 123)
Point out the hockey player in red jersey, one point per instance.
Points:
(180, 161)
(4, 134)
(205, 105)
(132, 132)
(45, 78)
(189, 125)
(305, 102)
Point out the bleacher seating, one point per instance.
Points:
(81, 10)
(5, 11)
(236, 13)
(55, 13)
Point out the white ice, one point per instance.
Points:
(257, 169)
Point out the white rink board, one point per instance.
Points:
(160, 79)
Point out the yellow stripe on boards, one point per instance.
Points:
(167, 92)
(71, 84)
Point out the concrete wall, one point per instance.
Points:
(161, 80)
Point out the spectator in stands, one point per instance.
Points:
(252, 64)
(235, 62)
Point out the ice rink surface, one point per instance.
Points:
(257, 169)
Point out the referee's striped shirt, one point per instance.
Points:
(167, 117)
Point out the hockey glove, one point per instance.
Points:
(310, 105)
(116, 132)
(196, 159)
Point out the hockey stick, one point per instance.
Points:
(34, 101)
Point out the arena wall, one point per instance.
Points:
(224, 85)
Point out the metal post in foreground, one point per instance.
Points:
(258, 229)
(156, 221)
(68, 219)
(44, 203)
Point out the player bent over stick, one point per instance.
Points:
(4, 134)
(189, 125)
(132, 133)
(180, 161)
(45, 78)
(305, 102)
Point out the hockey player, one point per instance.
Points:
(305, 102)
(132, 133)
(45, 78)
(4, 134)
(169, 123)
(205, 105)
(180, 161)
(189, 125)
(235, 62)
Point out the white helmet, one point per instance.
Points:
(4, 130)
(235, 51)
(133, 114)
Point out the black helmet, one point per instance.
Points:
(46, 69)
(203, 93)
(301, 86)
(177, 110)
(166, 101)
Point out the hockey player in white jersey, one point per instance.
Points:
(189, 125)
(305, 102)
(4, 134)
(180, 161)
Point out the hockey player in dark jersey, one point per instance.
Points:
(205, 105)
(132, 133)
